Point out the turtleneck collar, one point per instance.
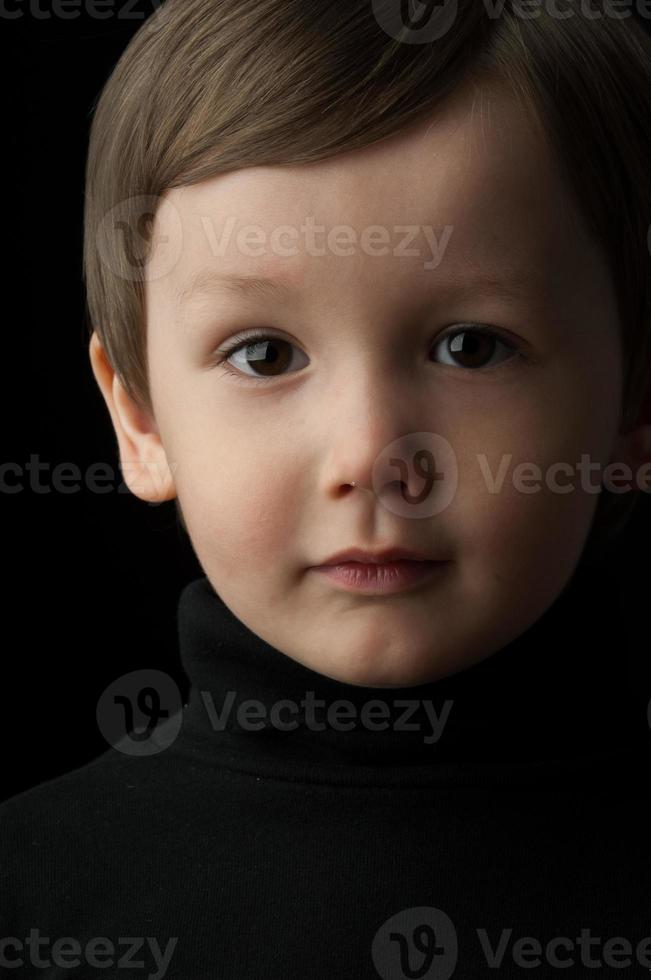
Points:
(560, 697)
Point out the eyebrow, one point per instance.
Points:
(206, 281)
(514, 284)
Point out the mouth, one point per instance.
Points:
(382, 578)
(382, 556)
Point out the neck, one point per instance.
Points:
(561, 694)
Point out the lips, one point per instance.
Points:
(382, 578)
(376, 557)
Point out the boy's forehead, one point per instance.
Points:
(448, 161)
(479, 167)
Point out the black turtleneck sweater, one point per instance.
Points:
(488, 824)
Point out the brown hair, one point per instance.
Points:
(208, 86)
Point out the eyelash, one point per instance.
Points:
(246, 338)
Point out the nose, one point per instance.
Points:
(375, 439)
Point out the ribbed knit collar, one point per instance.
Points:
(559, 699)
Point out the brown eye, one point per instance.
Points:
(473, 348)
(264, 356)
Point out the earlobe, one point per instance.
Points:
(143, 460)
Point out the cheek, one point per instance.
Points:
(513, 500)
(237, 505)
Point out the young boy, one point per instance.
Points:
(374, 307)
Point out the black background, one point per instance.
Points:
(91, 581)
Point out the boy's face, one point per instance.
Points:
(262, 467)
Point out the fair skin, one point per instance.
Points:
(261, 469)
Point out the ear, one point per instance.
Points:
(144, 463)
(634, 447)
